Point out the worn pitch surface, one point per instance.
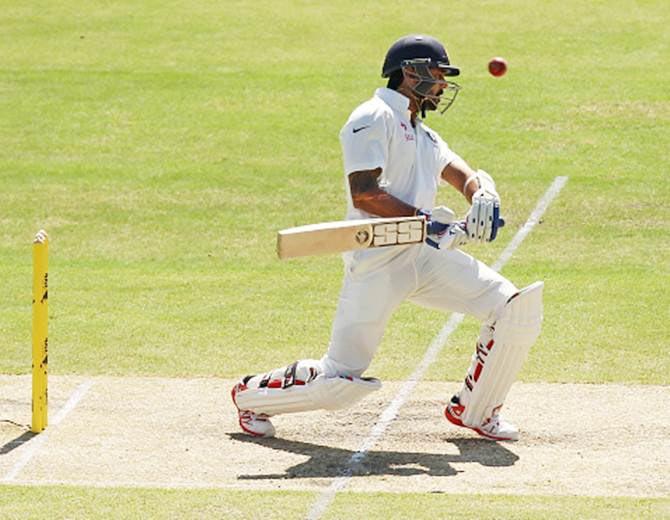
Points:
(598, 440)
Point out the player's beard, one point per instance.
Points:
(441, 101)
(429, 103)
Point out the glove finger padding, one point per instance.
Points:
(487, 223)
(481, 221)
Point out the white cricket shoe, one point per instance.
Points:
(254, 424)
(493, 428)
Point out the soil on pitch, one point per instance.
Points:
(598, 440)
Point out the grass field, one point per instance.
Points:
(89, 502)
(162, 145)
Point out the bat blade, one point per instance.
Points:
(349, 235)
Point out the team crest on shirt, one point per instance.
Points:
(409, 136)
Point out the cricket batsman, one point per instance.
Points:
(393, 166)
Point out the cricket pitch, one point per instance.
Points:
(576, 439)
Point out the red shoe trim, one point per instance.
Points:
(452, 416)
(454, 419)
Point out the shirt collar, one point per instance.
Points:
(394, 99)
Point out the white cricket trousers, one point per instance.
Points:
(448, 280)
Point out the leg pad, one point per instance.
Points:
(502, 348)
(302, 387)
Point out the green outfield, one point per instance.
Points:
(162, 145)
(92, 503)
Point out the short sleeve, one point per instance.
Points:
(445, 155)
(364, 143)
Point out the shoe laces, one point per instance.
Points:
(248, 415)
(492, 424)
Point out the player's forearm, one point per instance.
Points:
(369, 197)
(383, 204)
(458, 174)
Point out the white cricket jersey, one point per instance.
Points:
(379, 134)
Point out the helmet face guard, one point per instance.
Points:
(418, 70)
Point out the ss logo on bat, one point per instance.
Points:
(398, 233)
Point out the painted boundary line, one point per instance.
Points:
(390, 413)
(38, 441)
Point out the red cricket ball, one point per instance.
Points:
(498, 66)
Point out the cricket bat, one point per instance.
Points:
(349, 235)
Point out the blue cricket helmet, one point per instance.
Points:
(418, 47)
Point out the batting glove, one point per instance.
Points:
(483, 220)
(443, 232)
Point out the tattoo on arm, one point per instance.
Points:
(368, 196)
(364, 182)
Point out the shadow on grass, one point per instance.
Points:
(330, 462)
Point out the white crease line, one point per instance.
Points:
(34, 445)
(391, 411)
(535, 216)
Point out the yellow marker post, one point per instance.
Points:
(40, 330)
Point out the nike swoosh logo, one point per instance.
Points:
(356, 130)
